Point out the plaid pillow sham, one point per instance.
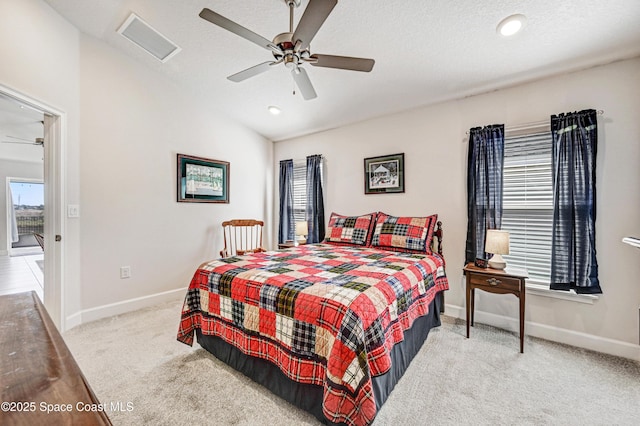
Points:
(356, 230)
(405, 234)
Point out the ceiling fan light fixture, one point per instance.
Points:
(274, 110)
(291, 61)
(292, 48)
(511, 25)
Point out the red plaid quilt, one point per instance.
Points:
(324, 314)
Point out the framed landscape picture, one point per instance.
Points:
(384, 174)
(202, 180)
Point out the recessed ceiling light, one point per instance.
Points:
(274, 110)
(511, 25)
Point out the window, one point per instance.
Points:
(300, 189)
(528, 203)
(26, 214)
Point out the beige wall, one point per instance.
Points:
(40, 57)
(134, 122)
(435, 145)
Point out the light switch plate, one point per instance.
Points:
(73, 210)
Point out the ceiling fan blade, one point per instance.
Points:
(312, 19)
(342, 62)
(250, 72)
(21, 143)
(20, 139)
(304, 84)
(237, 29)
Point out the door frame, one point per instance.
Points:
(55, 140)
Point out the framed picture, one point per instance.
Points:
(384, 174)
(202, 180)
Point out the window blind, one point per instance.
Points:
(528, 203)
(299, 190)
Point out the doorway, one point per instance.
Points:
(25, 215)
(23, 268)
(50, 143)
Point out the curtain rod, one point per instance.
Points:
(304, 159)
(532, 125)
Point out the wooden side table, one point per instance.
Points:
(508, 281)
(37, 367)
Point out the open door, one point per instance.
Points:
(53, 223)
(54, 123)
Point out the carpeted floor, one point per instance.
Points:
(453, 380)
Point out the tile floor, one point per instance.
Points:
(21, 273)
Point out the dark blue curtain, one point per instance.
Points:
(484, 186)
(573, 250)
(286, 228)
(315, 200)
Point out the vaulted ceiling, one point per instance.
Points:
(425, 51)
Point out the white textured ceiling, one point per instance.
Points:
(425, 50)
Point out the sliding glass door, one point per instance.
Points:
(25, 215)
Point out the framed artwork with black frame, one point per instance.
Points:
(202, 180)
(384, 174)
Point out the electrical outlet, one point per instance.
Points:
(125, 272)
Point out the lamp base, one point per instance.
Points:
(497, 262)
(301, 240)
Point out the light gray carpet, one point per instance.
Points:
(453, 380)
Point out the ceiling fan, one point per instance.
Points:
(23, 141)
(292, 48)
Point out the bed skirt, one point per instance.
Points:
(309, 397)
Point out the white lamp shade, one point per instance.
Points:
(497, 242)
(302, 228)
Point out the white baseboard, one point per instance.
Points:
(555, 334)
(92, 314)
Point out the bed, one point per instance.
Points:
(329, 327)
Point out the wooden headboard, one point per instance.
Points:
(437, 241)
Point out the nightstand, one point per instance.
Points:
(508, 281)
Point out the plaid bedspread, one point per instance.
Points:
(324, 314)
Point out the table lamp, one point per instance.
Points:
(302, 230)
(497, 242)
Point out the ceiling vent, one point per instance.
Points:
(148, 38)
